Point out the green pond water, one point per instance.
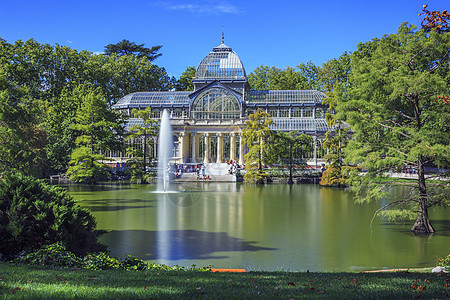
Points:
(273, 227)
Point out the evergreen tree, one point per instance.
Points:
(125, 47)
(291, 149)
(98, 129)
(398, 121)
(258, 138)
(144, 133)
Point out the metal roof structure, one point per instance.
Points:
(221, 92)
(222, 63)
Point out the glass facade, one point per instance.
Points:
(221, 64)
(285, 97)
(208, 121)
(215, 103)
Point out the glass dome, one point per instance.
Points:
(215, 103)
(221, 64)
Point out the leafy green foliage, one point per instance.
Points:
(55, 255)
(100, 261)
(444, 262)
(98, 128)
(272, 78)
(22, 139)
(125, 47)
(33, 214)
(185, 81)
(258, 138)
(291, 150)
(140, 137)
(398, 122)
(40, 94)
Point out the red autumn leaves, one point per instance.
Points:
(435, 20)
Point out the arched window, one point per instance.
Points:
(215, 103)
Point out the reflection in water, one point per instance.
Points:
(296, 227)
(176, 245)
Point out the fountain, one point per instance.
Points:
(165, 149)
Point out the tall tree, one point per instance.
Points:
(22, 139)
(98, 129)
(258, 138)
(140, 136)
(291, 149)
(333, 78)
(397, 120)
(125, 47)
(185, 81)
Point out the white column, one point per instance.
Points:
(219, 147)
(207, 148)
(241, 150)
(232, 146)
(315, 150)
(181, 146)
(194, 138)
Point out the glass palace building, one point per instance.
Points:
(207, 123)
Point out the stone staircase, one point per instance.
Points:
(216, 172)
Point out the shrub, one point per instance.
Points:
(133, 263)
(101, 261)
(444, 262)
(33, 214)
(55, 255)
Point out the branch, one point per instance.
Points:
(387, 205)
(404, 115)
(441, 61)
(426, 96)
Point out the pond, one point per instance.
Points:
(273, 227)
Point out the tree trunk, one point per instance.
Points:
(145, 158)
(423, 223)
(291, 163)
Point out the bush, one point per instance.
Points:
(55, 255)
(100, 261)
(445, 262)
(33, 214)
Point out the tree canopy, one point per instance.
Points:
(97, 129)
(125, 47)
(397, 119)
(258, 139)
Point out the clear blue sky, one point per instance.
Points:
(273, 33)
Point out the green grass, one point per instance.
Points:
(34, 282)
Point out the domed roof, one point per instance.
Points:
(222, 63)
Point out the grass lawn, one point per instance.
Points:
(34, 282)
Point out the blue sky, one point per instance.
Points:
(273, 33)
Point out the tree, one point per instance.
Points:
(33, 214)
(258, 138)
(265, 78)
(336, 173)
(291, 149)
(397, 120)
(22, 139)
(125, 47)
(334, 81)
(185, 81)
(435, 20)
(98, 129)
(144, 133)
(310, 72)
